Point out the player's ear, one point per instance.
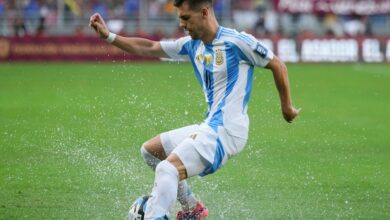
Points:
(205, 12)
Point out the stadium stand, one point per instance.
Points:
(260, 17)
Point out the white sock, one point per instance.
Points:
(164, 192)
(184, 194)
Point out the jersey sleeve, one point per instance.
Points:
(176, 49)
(254, 51)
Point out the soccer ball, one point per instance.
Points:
(137, 210)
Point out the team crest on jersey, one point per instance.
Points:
(219, 57)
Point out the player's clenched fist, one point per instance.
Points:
(290, 113)
(97, 23)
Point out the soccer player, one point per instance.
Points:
(223, 60)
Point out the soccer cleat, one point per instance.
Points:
(199, 212)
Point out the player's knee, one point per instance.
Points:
(149, 159)
(155, 148)
(147, 146)
(143, 150)
(165, 167)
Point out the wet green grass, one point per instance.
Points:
(70, 136)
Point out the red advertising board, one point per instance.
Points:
(59, 48)
(289, 50)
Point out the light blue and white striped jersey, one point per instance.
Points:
(224, 69)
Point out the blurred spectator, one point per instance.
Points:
(2, 8)
(31, 13)
(219, 8)
(116, 25)
(378, 23)
(73, 7)
(308, 25)
(131, 8)
(260, 23)
(99, 7)
(256, 16)
(288, 24)
(354, 25)
(246, 5)
(244, 17)
(169, 9)
(51, 16)
(332, 25)
(259, 5)
(156, 8)
(271, 22)
(19, 27)
(31, 9)
(43, 13)
(267, 23)
(3, 20)
(72, 12)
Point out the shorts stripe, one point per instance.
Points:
(218, 158)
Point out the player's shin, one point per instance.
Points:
(184, 193)
(164, 192)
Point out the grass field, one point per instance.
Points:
(70, 136)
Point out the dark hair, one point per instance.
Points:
(194, 4)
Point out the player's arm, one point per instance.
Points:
(280, 74)
(132, 45)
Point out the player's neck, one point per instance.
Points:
(212, 31)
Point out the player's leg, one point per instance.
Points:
(184, 194)
(212, 148)
(203, 153)
(164, 190)
(156, 149)
(189, 163)
(168, 174)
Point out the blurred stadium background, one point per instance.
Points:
(297, 30)
(71, 129)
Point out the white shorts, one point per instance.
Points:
(200, 148)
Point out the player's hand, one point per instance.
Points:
(290, 113)
(97, 23)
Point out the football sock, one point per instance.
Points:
(164, 192)
(184, 194)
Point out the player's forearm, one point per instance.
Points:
(280, 74)
(282, 83)
(139, 46)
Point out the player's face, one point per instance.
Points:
(191, 21)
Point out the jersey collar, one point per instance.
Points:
(218, 35)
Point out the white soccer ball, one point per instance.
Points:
(137, 209)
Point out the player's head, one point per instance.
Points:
(195, 15)
(194, 4)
